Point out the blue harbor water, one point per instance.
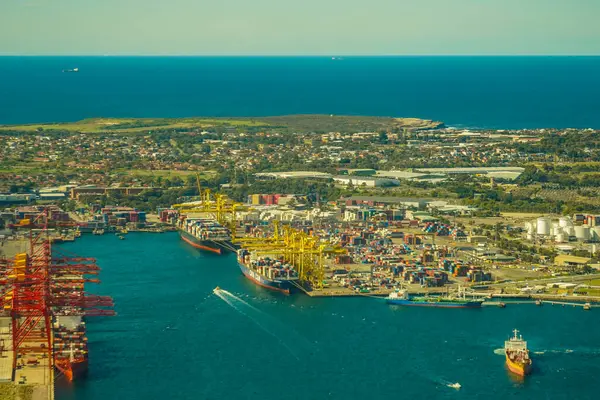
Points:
(174, 339)
(493, 92)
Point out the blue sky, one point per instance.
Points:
(299, 27)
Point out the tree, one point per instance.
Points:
(383, 137)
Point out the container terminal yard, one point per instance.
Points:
(375, 254)
(383, 252)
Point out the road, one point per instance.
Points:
(532, 282)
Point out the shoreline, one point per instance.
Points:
(382, 293)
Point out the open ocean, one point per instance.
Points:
(492, 92)
(174, 339)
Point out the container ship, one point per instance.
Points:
(402, 298)
(517, 355)
(270, 273)
(70, 347)
(205, 234)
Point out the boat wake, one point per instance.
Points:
(499, 352)
(566, 351)
(453, 385)
(258, 317)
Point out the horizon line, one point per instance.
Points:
(333, 55)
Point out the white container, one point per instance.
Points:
(565, 222)
(543, 226)
(582, 233)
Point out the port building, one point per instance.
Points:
(365, 181)
(385, 201)
(565, 260)
(92, 190)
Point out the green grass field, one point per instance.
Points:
(97, 125)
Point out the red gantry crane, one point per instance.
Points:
(47, 301)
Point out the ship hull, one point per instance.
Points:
(281, 286)
(79, 368)
(411, 303)
(520, 369)
(72, 370)
(211, 246)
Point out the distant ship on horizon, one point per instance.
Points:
(71, 70)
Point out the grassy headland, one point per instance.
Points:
(316, 123)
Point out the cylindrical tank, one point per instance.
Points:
(528, 227)
(569, 230)
(596, 233)
(529, 236)
(560, 238)
(565, 222)
(582, 233)
(543, 226)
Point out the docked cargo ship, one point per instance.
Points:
(517, 355)
(402, 298)
(270, 273)
(205, 234)
(70, 347)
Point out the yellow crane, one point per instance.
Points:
(305, 252)
(220, 207)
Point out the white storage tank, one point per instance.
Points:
(596, 232)
(565, 222)
(569, 231)
(543, 226)
(560, 238)
(530, 236)
(529, 227)
(582, 233)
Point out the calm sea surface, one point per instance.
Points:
(174, 339)
(495, 92)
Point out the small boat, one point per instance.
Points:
(71, 70)
(517, 355)
(455, 385)
(121, 237)
(587, 306)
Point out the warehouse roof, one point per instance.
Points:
(567, 259)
